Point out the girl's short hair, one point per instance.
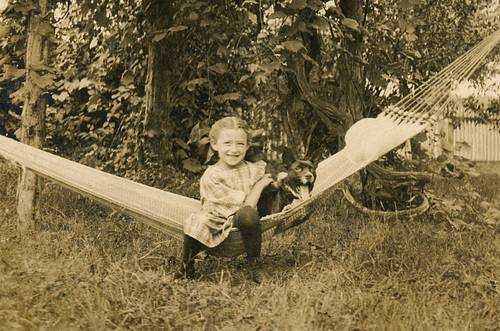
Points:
(230, 122)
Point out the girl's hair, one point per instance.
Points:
(228, 123)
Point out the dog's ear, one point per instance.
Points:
(287, 157)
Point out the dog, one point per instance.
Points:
(290, 187)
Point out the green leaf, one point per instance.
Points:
(204, 141)
(350, 23)
(127, 78)
(252, 17)
(159, 37)
(220, 68)
(260, 78)
(116, 106)
(191, 85)
(101, 18)
(4, 60)
(177, 28)
(293, 45)
(210, 154)
(45, 29)
(406, 25)
(181, 143)
(298, 4)
(41, 81)
(151, 133)
(223, 51)
(256, 135)
(94, 100)
(18, 96)
(320, 23)
(253, 67)
(4, 30)
(442, 158)
(244, 78)
(277, 14)
(270, 67)
(94, 43)
(408, 4)
(197, 132)
(60, 97)
(221, 98)
(181, 154)
(192, 165)
(411, 37)
(84, 83)
(12, 72)
(193, 16)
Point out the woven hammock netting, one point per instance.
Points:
(167, 211)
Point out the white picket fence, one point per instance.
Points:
(472, 140)
(483, 139)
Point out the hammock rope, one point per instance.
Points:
(167, 211)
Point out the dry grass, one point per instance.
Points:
(87, 268)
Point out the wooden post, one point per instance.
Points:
(33, 116)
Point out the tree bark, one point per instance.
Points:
(351, 71)
(332, 117)
(157, 119)
(33, 117)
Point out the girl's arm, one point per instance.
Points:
(254, 195)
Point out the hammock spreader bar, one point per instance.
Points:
(167, 211)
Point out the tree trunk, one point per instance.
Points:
(351, 71)
(158, 91)
(33, 117)
(158, 123)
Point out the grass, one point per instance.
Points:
(88, 268)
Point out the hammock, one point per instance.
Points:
(167, 211)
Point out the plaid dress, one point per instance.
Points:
(222, 192)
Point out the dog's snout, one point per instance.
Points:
(309, 177)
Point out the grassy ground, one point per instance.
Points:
(87, 268)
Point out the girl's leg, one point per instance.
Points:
(191, 248)
(247, 219)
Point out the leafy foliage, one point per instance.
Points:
(282, 65)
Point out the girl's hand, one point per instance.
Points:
(265, 181)
(254, 195)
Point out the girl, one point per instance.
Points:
(230, 190)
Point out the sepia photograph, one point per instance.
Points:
(293, 165)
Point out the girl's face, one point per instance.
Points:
(231, 145)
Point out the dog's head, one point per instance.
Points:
(301, 175)
(293, 184)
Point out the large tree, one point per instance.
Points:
(37, 75)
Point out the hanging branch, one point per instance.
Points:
(333, 118)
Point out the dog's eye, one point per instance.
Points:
(298, 169)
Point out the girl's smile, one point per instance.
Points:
(231, 145)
